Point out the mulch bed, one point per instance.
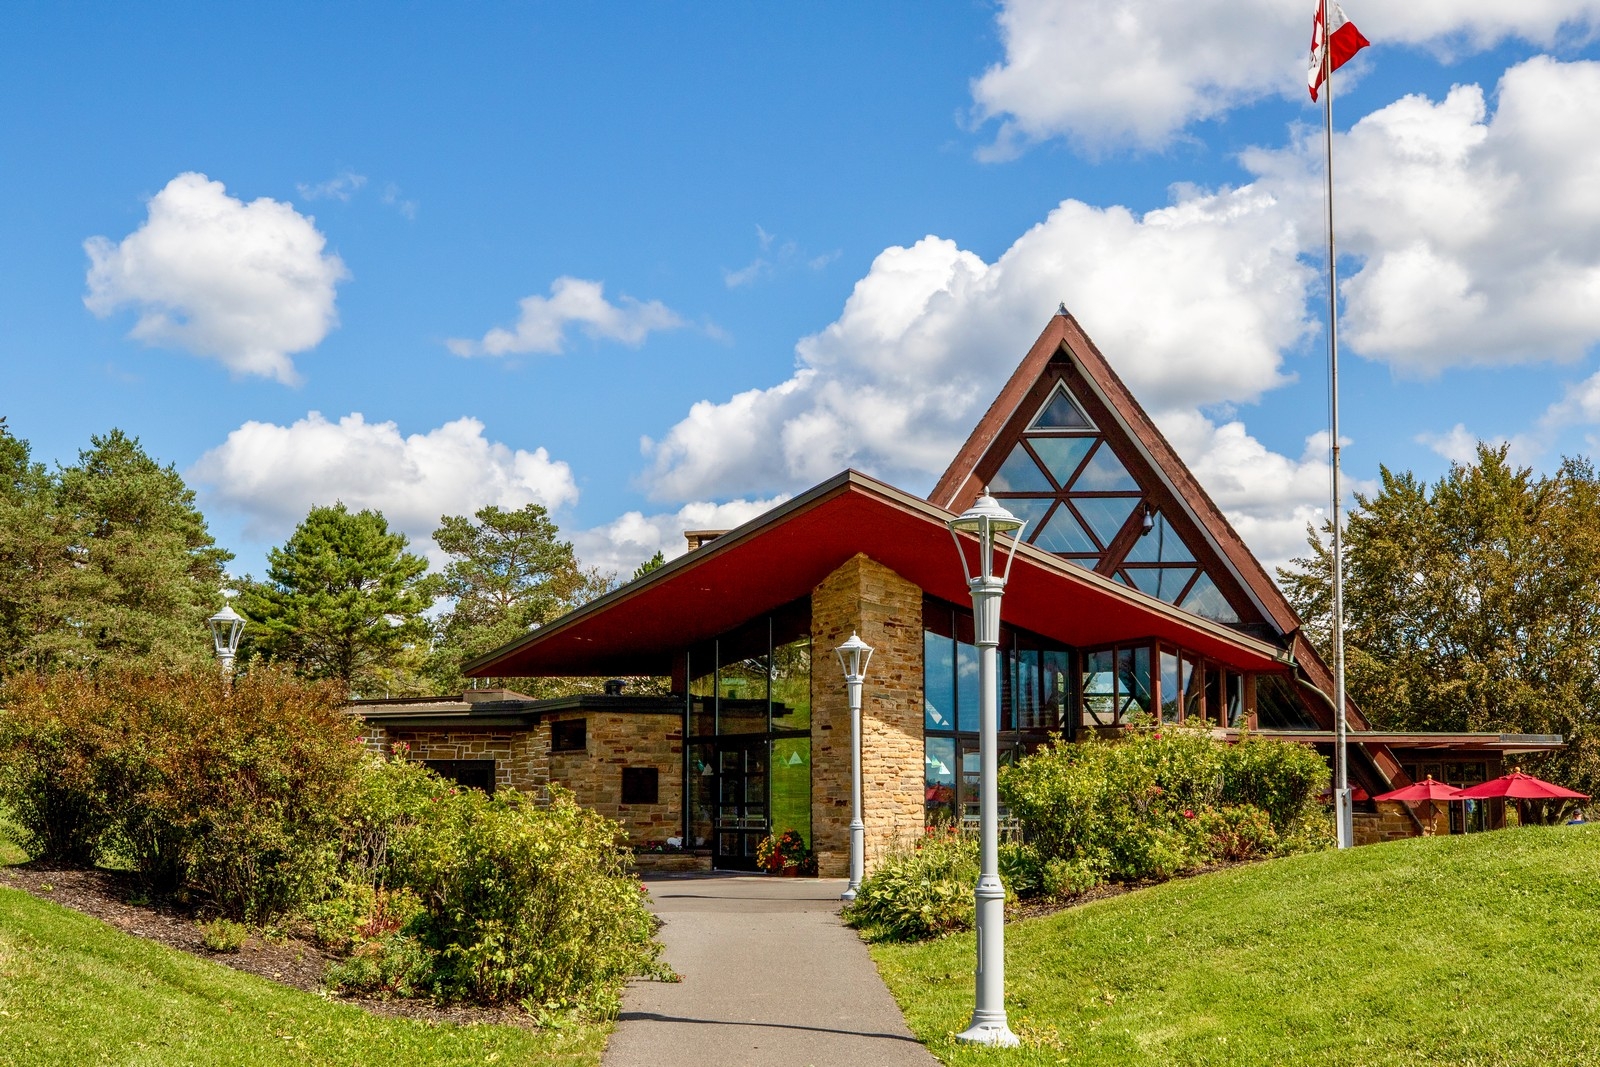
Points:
(115, 898)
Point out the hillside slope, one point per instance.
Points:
(1478, 950)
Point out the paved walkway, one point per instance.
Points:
(770, 979)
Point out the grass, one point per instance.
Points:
(75, 991)
(10, 851)
(1472, 951)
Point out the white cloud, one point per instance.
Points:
(1194, 301)
(246, 284)
(543, 324)
(1107, 73)
(274, 474)
(1478, 234)
(341, 186)
(621, 545)
(391, 198)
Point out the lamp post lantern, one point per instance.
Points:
(854, 655)
(986, 521)
(226, 626)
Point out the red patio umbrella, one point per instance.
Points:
(1521, 786)
(1427, 790)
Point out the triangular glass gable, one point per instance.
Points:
(1160, 544)
(1104, 473)
(1062, 455)
(1163, 583)
(1020, 474)
(1207, 601)
(1061, 412)
(1062, 534)
(1030, 509)
(1105, 514)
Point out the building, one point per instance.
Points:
(1132, 596)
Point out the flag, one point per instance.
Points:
(1343, 40)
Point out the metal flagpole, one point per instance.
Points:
(1341, 763)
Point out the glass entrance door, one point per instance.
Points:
(741, 816)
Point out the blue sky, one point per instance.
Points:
(730, 249)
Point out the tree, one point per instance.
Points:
(509, 572)
(106, 560)
(343, 600)
(655, 562)
(1472, 605)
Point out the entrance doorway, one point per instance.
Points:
(741, 817)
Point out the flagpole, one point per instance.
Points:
(1340, 763)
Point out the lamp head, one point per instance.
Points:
(1147, 523)
(986, 520)
(226, 627)
(854, 655)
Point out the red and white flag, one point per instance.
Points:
(1343, 40)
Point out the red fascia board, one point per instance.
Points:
(783, 555)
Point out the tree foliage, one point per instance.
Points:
(343, 600)
(105, 560)
(1472, 604)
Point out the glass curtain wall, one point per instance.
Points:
(749, 744)
(1035, 693)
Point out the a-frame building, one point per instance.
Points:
(1132, 600)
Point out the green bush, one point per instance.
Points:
(389, 819)
(224, 935)
(1162, 801)
(530, 903)
(1063, 879)
(919, 891)
(397, 965)
(53, 773)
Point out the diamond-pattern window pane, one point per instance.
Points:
(1061, 413)
(1105, 473)
(1163, 583)
(1207, 601)
(1062, 455)
(1161, 544)
(1020, 474)
(1030, 509)
(1062, 534)
(1105, 514)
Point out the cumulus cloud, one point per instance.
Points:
(1107, 73)
(1478, 235)
(621, 545)
(245, 284)
(274, 474)
(543, 324)
(1195, 301)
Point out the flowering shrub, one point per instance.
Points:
(788, 849)
(918, 891)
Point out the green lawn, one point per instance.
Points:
(1468, 951)
(75, 991)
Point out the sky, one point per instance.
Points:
(659, 266)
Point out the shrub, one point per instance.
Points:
(53, 772)
(397, 965)
(224, 935)
(919, 891)
(1062, 879)
(530, 903)
(1240, 832)
(1281, 778)
(389, 818)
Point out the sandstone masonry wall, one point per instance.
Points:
(886, 610)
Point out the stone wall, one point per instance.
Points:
(886, 610)
(1391, 823)
(616, 741)
(520, 755)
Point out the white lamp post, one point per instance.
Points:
(854, 655)
(226, 626)
(986, 520)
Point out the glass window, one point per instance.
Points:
(966, 687)
(1159, 544)
(1171, 689)
(1020, 474)
(742, 696)
(1104, 473)
(1163, 583)
(1235, 699)
(1194, 696)
(1061, 455)
(1026, 696)
(1133, 682)
(791, 785)
(1207, 601)
(971, 778)
(939, 781)
(1279, 707)
(703, 693)
(1061, 412)
(702, 792)
(938, 681)
(791, 685)
(1099, 688)
(1105, 515)
(1057, 688)
(1030, 509)
(1063, 534)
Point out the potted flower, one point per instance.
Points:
(786, 854)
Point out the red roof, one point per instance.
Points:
(782, 555)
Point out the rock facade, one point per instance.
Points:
(871, 600)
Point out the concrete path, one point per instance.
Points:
(770, 979)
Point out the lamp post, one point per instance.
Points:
(854, 655)
(226, 626)
(986, 520)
